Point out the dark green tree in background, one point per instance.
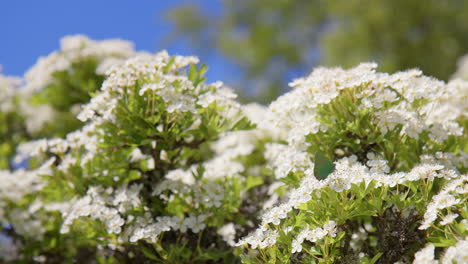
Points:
(272, 41)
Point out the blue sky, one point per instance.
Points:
(30, 29)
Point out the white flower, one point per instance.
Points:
(228, 233)
(377, 164)
(199, 224)
(448, 219)
(137, 155)
(284, 159)
(182, 176)
(313, 235)
(261, 238)
(275, 214)
(425, 255)
(457, 253)
(296, 246)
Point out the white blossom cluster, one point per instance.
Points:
(210, 192)
(349, 172)
(85, 139)
(453, 254)
(313, 235)
(457, 253)
(257, 114)
(18, 183)
(392, 97)
(207, 193)
(15, 185)
(284, 159)
(8, 86)
(29, 222)
(146, 227)
(408, 101)
(425, 255)
(448, 159)
(193, 191)
(454, 193)
(260, 238)
(176, 90)
(228, 233)
(73, 49)
(110, 205)
(181, 184)
(265, 237)
(106, 205)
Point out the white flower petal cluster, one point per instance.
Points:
(210, 191)
(146, 227)
(425, 255)
(29, 222)
(377, 164)
(228, 233)
(149, 228)
(284, 159)
(392, 96)
(452, 194)
(176, 90)
(85, 139)
(8, 89)
(73, 49)
(348, 172)
(106, 205)
(260, 238)
(16, 184)
(448, 159)
(457, 253)
(329, 229)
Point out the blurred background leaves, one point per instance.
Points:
(273, 41)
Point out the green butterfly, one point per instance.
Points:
(322, 166)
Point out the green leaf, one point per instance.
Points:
(252, 182)
(203, 69)
(148, 253)
(292, 179)
(192, 73)
(376, 257)
(322, 166)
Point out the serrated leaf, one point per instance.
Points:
(192, 73)
(252, 182)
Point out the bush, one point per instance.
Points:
(160, 166)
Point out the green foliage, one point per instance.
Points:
(353, 166)
(12, 133)
(69, 88)
(138, 147)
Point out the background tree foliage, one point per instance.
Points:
(272, 41)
